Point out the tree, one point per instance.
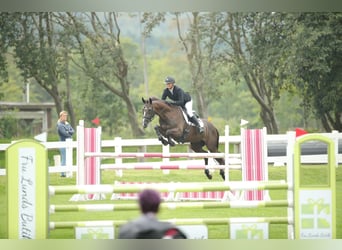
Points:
(198, 44)
(255, 43)
(317, 63)
(39, 53)
(196, 34)
(98, 42)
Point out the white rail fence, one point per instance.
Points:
(118, 144)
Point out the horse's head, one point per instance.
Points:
(148, 112)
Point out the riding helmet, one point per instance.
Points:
(169, 79)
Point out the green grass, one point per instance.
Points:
(276, 231)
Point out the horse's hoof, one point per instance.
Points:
(209, 176)
(223, 175)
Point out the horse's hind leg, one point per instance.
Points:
(197, 147)
(223, 175)
(206, 171)
(221, 162)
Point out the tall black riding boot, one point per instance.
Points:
(196, 122)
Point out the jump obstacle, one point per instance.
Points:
(177, 187)
(28, 207)
(88, 169)
(254, 165)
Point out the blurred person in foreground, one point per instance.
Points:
(148, 226)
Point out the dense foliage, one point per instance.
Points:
(278, 70)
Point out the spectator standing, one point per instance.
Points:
(65, 131)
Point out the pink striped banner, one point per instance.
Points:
(163, 195)
(253, 162)
(90, 163)
(208, 195)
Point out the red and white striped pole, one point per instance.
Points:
(88, 168)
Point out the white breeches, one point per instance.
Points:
(188, 107)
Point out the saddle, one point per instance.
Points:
(189, 122)
(187, 118)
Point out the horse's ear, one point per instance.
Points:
(150, 100)
(143, 100)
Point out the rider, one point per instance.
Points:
(180, 98)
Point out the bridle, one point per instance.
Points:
(149, 114)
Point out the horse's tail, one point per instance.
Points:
(218, 139)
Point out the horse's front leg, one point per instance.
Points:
(170, 141)
(173, 134)
(160, 136)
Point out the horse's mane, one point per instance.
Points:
(153, 98)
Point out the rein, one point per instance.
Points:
(150, 118)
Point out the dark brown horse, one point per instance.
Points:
(173, 127)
